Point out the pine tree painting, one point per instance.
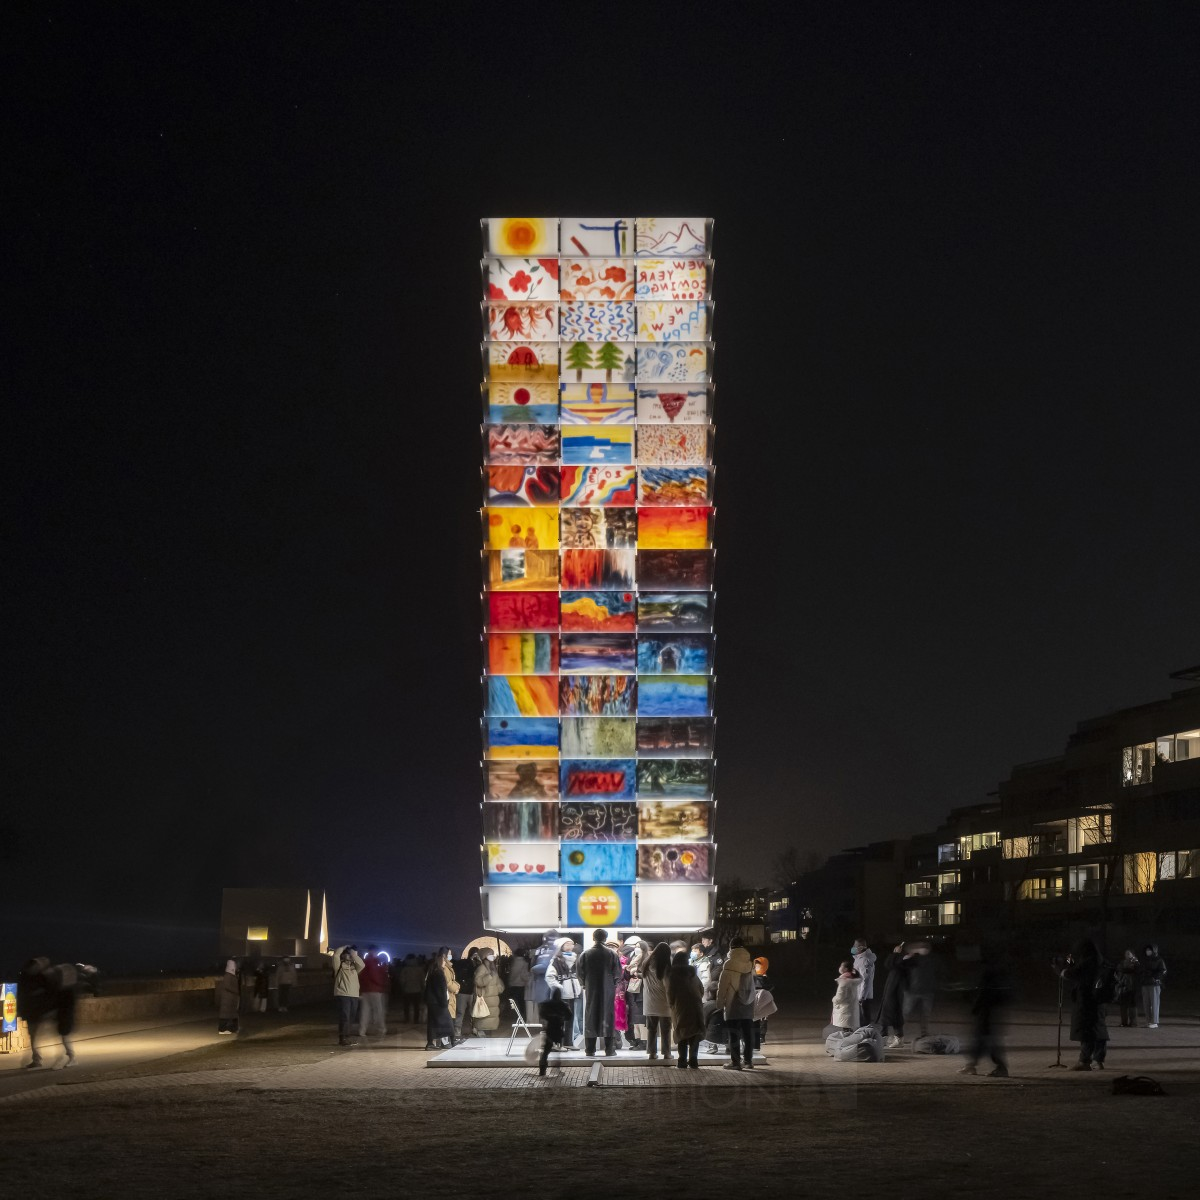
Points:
(579, 358)
(611, 358)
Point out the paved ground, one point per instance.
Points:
(281, 1111)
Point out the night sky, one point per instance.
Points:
(957, 447)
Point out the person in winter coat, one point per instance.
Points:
(1151, 970)
(921, 986)
(488, 985)
(261, 987)
(762, 983)
(735, 995)
(1127, 985)
(685, 997)
(655, 1004)
(285, 978)
(563, 982)
(346, 966)
(229, 999)
(992, 996)
(624, 1031)
(1088, 1026)
(890, 1017)
(439, 1023)
(708, 959)
(412, 984)
(637, 954)
(453, 987)
(864, 963)
(538, 991)
(374, 984)
(464, 975)
(845, 998)
(42, 990)
(599, 971)
(518, 979)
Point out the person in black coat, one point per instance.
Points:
(991, 997)
(439, 1025)
(891, 1003)
(1088, 1028)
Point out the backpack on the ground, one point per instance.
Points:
(1137, 1085)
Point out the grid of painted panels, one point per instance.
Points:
(598, 560)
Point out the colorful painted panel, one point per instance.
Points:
(596, 404)
(673, 696)
(597, 695)
(598, 528)
(588, 569)
(679, 486)
(522, 321)
(670, 237)
(598, 862)
(672, 321)
(528, 780)
(599, 486)
(521, 737)
(522, 570)
(675, 654)
(597, 362)
(522, 695)
(521, 862)
(674, 778)
(537, 610)
(523, 444)
(520, 821)
(532, 529)
(663, 611)
(672, 362)
(673, 528)
(672, 405)
(597, 443)
(522, 654)
(522, 363)
(597, 779)
(522, 236)
(519, 486)
(666, 444)
(596, 821)
(596, 236)
(672, 821)
(679, 570)
(597, 321)
(673, 737)
(598, 612)
(672, 279)
(522, 278)
(599, 904)
(522, 402)
(674, 863)
(599, 737)
(599, 653)
(597, 279)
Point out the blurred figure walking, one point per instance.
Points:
(374, 983)
(229, 999)
(991, 998)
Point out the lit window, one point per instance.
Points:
(1139, 873)
(257, 933)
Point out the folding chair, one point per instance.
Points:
(519, 1022)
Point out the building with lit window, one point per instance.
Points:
(950, 868)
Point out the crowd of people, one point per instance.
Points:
(910, 983)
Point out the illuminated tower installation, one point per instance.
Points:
(598, 559)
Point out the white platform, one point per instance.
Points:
(489, 1052)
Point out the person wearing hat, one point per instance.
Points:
(599, 970)
(563, 983)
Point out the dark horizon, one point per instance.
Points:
(955, 402)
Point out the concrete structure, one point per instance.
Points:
(274, 923)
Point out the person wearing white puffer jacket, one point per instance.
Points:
(864, 964)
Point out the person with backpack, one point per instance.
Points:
(1151, 970)
(1091, 982)
(735, 996)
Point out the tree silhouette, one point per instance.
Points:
(611, 358)
(579, 358)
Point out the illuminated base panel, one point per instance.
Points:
(597, 555)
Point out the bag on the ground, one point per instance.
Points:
(936, 1044)
(480, 1007)
(1137, 1085)
(863, 1045)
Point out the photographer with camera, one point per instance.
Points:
(1083, 972)
(346, 966)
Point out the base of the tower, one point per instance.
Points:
(496, 1052)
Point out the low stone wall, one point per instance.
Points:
(122, 1000)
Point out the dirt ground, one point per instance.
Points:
(234, 1121)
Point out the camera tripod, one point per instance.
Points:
(1058, 1062)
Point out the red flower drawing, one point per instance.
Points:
(616, 274)
(495, 293)
(520, 282)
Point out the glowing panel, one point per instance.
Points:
(600, 904)
(599, 862)
(521, 821)
(522, 278)
(599, 653)
(522, 695)
(524, 861)
(672, 362)
(672, 321)
(514, 906)
(597, 279)
(599, 779)
(597, 362)
(528, 780)
(522, 236)
(518, 486)
(523, 363)
(589, 444)
(595, 236)
(598, 486)
(532, 529)
(674, 653)
(599, 737)
(673, 696)
(674, 905)
(674, 778)
(522, 570)
(673, 237)
(597, 695)
(522, 321)
(521, 737)
(522, 653)
(674, 821)
(598, 612)
(671, 279)
(673, 528)
(664, 445)
(674, 863)
(536, 610)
